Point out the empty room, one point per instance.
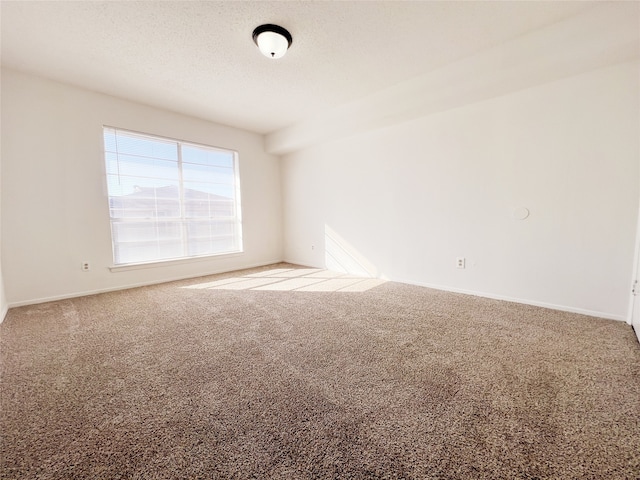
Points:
(320, 240)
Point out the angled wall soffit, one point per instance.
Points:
(602, 36)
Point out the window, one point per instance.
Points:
(170, 199)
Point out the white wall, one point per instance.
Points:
(4, 306)
(404, 201)
(3, 298)
(54, 204)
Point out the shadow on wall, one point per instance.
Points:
(294, 279)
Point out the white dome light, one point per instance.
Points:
(272, 40)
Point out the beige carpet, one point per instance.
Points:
(299, 375)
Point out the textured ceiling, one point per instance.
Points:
(198, 58)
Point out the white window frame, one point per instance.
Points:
(183, 219)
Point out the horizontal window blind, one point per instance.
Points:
(170, 199)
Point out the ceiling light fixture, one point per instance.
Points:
(272, 40)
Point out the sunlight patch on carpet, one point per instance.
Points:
(294, 279)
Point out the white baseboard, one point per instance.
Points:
(55, 298)
(551, 306)
(562, 308)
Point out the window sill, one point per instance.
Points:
(170, 262)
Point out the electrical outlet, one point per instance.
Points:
(86, 266)
(460, 262)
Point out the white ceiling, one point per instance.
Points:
(198, 58)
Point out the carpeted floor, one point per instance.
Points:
(295, 375)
